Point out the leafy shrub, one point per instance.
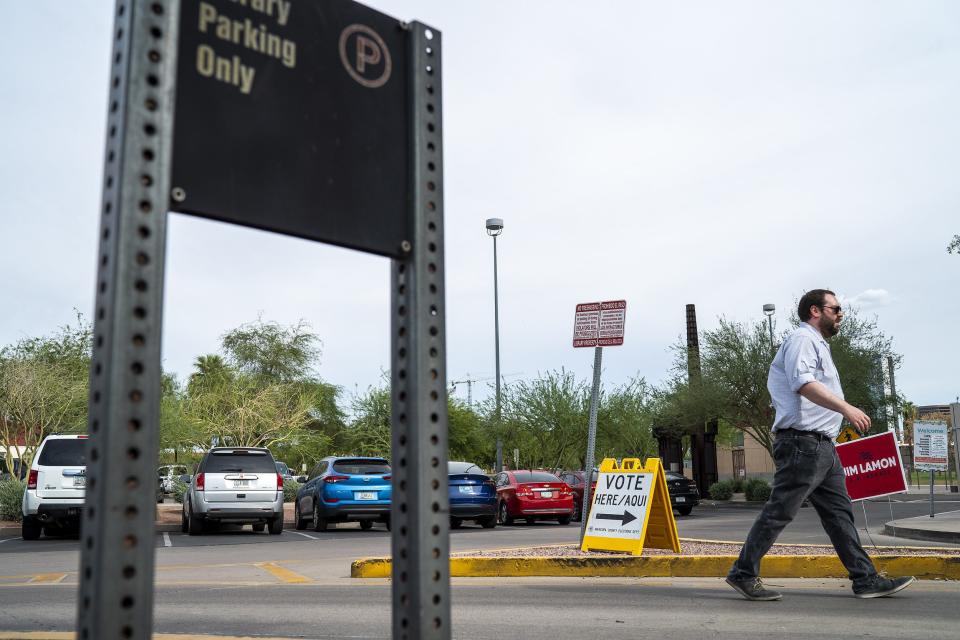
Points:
(756, 490)
(11, 499)
(179, 489)
(722, 490)
(290, 488)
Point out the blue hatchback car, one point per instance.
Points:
(473, 495)
(344, 489)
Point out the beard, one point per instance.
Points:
(827, 327)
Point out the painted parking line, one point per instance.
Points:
(305, 535)
(48, 578)
(166, 540)
(282, 573)
(9, 539)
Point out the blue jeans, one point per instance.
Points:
(806, 468)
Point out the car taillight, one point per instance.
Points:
(279, 482)
(333, 479)
(524, 492)
(388, 477)
(199, 482)
(32, 479)
(565, 490)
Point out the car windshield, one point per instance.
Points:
(673, 475)
(535, 476)
(65, 452)
(463, 467)
(361, 467)
(239, 462)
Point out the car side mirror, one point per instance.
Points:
(301, 479)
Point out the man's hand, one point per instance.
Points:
(859, 420)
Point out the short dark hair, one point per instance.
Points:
(812, 298)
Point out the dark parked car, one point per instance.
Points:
(533, 495)
(684, 495)
(575, 481)
(341, 489)
(473, 495)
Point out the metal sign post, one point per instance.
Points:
(596, 324)
(320, 120)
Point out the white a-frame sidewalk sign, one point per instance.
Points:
(631, 509)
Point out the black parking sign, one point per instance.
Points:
(292, 117)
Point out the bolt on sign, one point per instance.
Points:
(599, 324)
(630, 509)
(872, 466)
(292, 116)
(930, 446)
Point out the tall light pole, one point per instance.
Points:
(494, 229)
(769, 309)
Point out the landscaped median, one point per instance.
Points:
(785, 561)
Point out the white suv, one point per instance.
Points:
(56, 486)
(234, 485)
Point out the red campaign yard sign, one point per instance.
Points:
(872, 466)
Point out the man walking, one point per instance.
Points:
(806, 393)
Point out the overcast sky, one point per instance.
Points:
(726, 154)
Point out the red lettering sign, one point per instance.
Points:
(872, 466)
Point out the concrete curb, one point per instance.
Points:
(808, 566)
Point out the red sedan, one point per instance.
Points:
(532, 495)
(575, 480)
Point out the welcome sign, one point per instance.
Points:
(872, 466)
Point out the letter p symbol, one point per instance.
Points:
(367, 51)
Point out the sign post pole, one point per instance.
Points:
(955, 419)
(931, 493)
(591, 441)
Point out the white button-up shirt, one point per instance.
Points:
(803, 357)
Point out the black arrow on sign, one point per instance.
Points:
(625, 518)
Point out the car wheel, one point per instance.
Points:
(30, 529)
(183, 520)
(504, 514)
(194, 525)
(319, 524)
(576, 510)
(276, 525)
(488, 523)
(685, 511)
(259, 527)
(564, 519)
(456, 523)
(388, 524)
(298, 523)
(366, 525)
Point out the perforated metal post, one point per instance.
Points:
(117, 529)
(420, 509)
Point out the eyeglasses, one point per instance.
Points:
(836, 309)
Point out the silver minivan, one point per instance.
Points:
(56, 487)
(234, 485)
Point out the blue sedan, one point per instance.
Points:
(473, 496)
(342, 489)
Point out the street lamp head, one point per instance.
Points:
(769, 309)
(494, 226)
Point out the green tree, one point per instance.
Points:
(954, 246)
(270, 351)
(43, 388)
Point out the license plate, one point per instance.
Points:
(681, 499)
(546, 494)
(470, 490)
(241, 484)
(73, 511)
(79, 481)
(364, 495)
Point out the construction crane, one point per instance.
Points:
(469, 382)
